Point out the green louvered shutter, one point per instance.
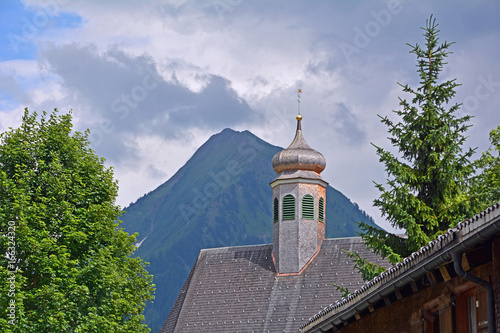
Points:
(275, 210)
(321, 213)
(308, 207)
(288, 207)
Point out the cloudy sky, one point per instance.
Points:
(153, 80)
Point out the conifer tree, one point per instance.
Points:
(485, 186)
(426, 191)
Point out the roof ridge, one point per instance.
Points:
(236, 247)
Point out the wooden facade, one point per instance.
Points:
(428, 293)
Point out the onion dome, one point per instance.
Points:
(299, 156)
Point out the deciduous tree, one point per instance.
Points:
(70, 262)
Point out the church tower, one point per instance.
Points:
(299, 198)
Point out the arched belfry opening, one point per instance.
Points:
(299, 195)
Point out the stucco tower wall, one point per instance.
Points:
(297, 241)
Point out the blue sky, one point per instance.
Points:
(153, 80)
(22, 25)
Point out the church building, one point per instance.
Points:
(274, 287)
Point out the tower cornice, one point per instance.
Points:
(296, 180)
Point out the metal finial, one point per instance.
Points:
(299, 117)
(298, 100)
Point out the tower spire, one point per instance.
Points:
(299, 195)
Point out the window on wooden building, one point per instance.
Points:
(472, 314)
(438, 315)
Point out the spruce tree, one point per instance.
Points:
(485, 186)
(426, 190)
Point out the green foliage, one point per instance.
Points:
(388, 245)
(426, 191)
(367, 269)
(71, 263)
(485, 187)
(345, 291)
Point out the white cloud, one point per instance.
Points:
(239, 64)
(155, 161)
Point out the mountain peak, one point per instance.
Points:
(231, 133)
(228, 130)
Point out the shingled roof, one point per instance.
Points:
(236, 289)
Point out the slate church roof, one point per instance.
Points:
(236, 289)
